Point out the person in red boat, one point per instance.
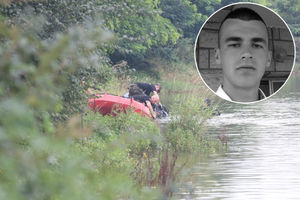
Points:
(147, 88)
(148, 101)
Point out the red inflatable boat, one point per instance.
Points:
(111, 104)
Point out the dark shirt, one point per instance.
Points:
(146, 87)
(141, 98)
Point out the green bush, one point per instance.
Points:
(38, 159)
(186, 131)
(138, 137)
(51, 146)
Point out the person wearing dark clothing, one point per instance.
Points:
(147, 88)
(141, 98)
(148, 101)
(160, 110)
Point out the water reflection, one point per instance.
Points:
(263, 160)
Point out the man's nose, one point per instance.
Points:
(246, 52)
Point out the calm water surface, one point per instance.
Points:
(263, 158)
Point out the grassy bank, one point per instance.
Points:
(53, 147)
(153, 156)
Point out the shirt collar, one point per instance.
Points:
(221, 93)
(261, 94)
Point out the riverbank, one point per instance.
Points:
(151, 155)
(54, 153)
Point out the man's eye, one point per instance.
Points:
(258, 46)
(235, 45)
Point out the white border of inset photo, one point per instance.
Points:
(280, 44)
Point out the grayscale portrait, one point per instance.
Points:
(244, 52)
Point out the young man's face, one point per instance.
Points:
(243, 53)
(157, 87)
(154, 99)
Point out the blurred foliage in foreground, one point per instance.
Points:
(38, 159)
(49, 152)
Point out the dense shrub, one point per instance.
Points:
(38, 159)
(51, 146)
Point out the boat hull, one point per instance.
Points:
(107, 104)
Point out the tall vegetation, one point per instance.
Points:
(42, 160)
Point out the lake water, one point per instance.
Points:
(263, 157)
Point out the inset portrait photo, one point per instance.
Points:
(245, 52)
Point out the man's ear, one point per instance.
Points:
(217, 56)
(269, 59)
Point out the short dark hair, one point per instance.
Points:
(245, 14)
(158, 91)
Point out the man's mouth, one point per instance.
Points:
(246, 67)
